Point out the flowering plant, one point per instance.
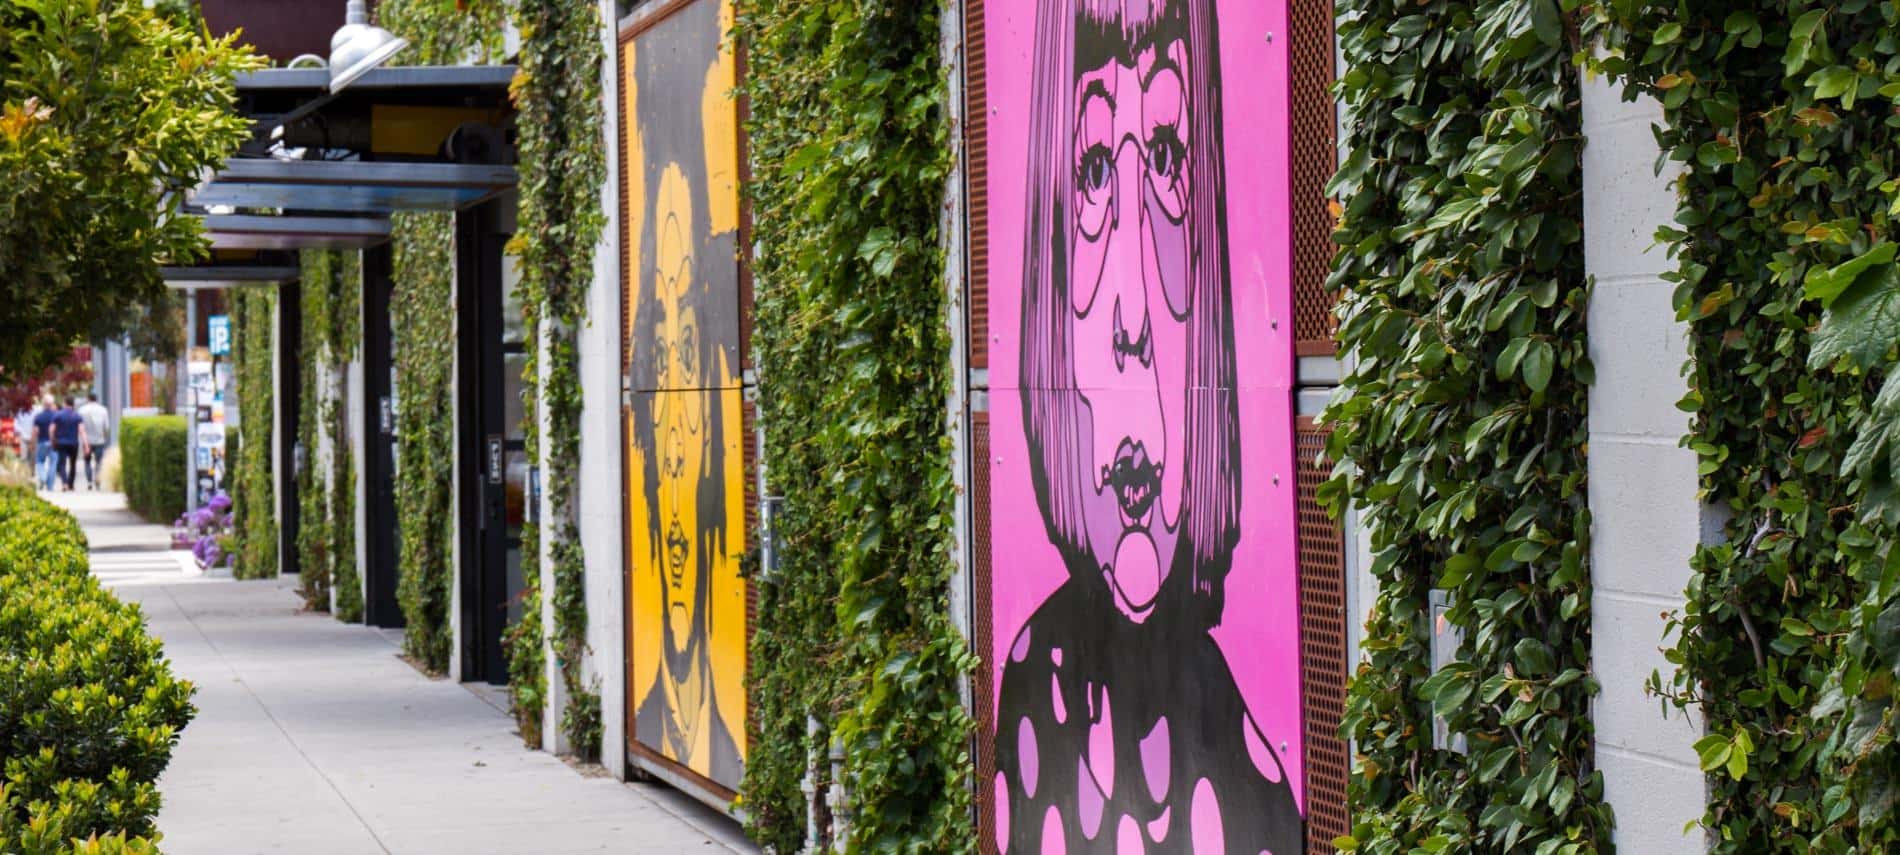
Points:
(206, 531)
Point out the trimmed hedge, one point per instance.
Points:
(152, 466)
(89, 708)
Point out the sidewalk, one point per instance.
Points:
(313, 737)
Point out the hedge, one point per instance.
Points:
(152, 466)
(89, 708)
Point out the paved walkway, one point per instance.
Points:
(313, 737)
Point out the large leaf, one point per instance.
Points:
(1863, 322)
(1826, 285)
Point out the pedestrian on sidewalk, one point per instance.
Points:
(44, 457)
(98, 425)
(23, 433)
(69, 437)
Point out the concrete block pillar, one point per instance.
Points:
(1643, 486)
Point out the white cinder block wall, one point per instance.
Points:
(1643, 490)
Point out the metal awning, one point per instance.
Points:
(227, 274)
(353, 186)
(245, 231)
(414, 138)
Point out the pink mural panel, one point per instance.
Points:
(1145, 601)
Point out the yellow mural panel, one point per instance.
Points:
(685, 427)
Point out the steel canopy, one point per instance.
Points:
(355, 187)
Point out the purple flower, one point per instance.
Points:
(219, 503)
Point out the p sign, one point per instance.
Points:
(220, 335)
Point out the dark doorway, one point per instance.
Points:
(289, 412)
(494, 481)
(380, 607)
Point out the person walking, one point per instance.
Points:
(44, 457)
(69, 438)
(23, 434)
(98, 424)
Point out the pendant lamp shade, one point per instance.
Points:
(359, 47)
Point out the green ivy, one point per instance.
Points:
(253, 489)
(1462, 441)
(313, 499)
(850, 139)
(422, 316)
(1782, 117)
(562, 144)
(326, 537)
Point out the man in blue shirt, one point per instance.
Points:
(43, 454)
(69, 434)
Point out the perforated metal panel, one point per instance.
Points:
(1315, 158)
(976, 129)
(1322, 647)
(749, 418)
(983, 631)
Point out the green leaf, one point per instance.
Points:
(1533, 656)
(1826, 285)
(1862, 324)
(1539, 361)
(1833, 81)
(1667, 33)
(1548, 22)
(1512, 355)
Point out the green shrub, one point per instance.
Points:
(89, 708)
(152, 466)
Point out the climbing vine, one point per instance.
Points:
(313, 496)
(326, 536)
(849, 136)
(557, 93)
(1462, 302)
(1780, 116)
(422, 318)
(253, 489)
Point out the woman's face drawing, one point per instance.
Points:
(679, 414)
(1131, 299)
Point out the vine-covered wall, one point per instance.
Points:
(326, 536)
(1781, 115)
(849, 141)
(557, 93)
(1462, 301)
(422, 320)
(563, 165)
(253, 486)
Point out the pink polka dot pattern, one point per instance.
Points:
(1204, 819)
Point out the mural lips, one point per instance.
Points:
(1136, 480)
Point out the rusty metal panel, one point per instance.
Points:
(1323, 654)
(1315, 158)
(976, 128)
(983, 630)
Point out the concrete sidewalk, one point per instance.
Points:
(313, 737)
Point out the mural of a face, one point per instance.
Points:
(680, 419)
(1120, 721)
(687, 599)
(1130, 293)
(682, 435)
(1127, 367)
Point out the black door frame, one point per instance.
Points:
(381, 539)
(482, 443)
(290, 415)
